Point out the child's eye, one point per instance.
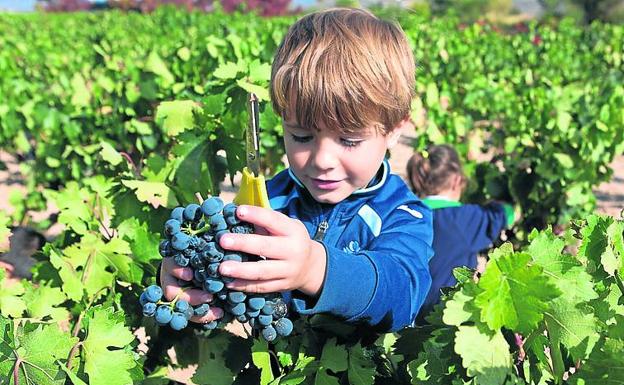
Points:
(350, 142)
(301, 139)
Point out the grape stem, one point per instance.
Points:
(198, 231)
(199, 197)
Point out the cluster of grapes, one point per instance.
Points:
(175, 313)
(192, 240)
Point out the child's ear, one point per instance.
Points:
(393, 136)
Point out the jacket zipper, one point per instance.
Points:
(321, 230)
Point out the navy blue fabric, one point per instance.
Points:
(459, 234)
(378, 249)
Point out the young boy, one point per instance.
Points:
(345, 236)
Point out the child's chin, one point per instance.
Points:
(329, 197)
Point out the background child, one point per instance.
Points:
(345, 236)
(460, 231)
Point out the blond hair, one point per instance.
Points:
(344, 68)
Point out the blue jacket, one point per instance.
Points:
(460, 233)
(378, 244)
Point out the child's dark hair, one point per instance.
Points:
(430, 172)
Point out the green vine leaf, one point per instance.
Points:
(11, 302)
(155, 193)
(85, 265)
(361, 368)
(324, 378)
(44, 300)
(176, 116)
(262, 359)
(515, 293)
(213, 352)
(334, 358)
(108, 359)
(38, 350)
(485, 357)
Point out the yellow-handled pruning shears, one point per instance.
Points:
(253, 186)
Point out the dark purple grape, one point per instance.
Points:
(153, 293)
(238, 309)
(210, 325)
(269, 333)
(217, 222)
(181, 305)
(180, 241)
(200, 275)
(163, 314)
(235, 297)
(143, 299)
(181, 260)
(201, 310)
(213, 285)
(192, 213)
(172, 227)
(164, 248)
(232, 256)
(229, 210)
(178, 321)
(265, 320)
(256, 303)
(212, 206)
(268, 308)
(280, 309)
(177, 214)
(283, 327)
(149, 309)
(196, 262)
(190, 312)
(213, 270)
(242, 229)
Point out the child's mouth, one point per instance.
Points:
(325, 184)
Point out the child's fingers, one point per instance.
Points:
(170, 268)
(171, 288)
(272, 221)
(257, 271)
(269, 246)
(265, 286)
(213, 314)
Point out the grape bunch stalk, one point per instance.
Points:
(192, 235)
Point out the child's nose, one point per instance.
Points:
(325, 156)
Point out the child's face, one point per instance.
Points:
(331, 165)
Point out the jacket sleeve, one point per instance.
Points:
(482, 224)
(386, 284)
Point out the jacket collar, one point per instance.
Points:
(440, 202)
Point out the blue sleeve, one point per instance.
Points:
(482, 224)
(386, 284)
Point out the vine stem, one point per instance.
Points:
(18, 362)
(129, 160)
(555, 356)
(76, 329)
(199, 197)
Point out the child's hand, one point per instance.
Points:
(170, 273)
(294, 261)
